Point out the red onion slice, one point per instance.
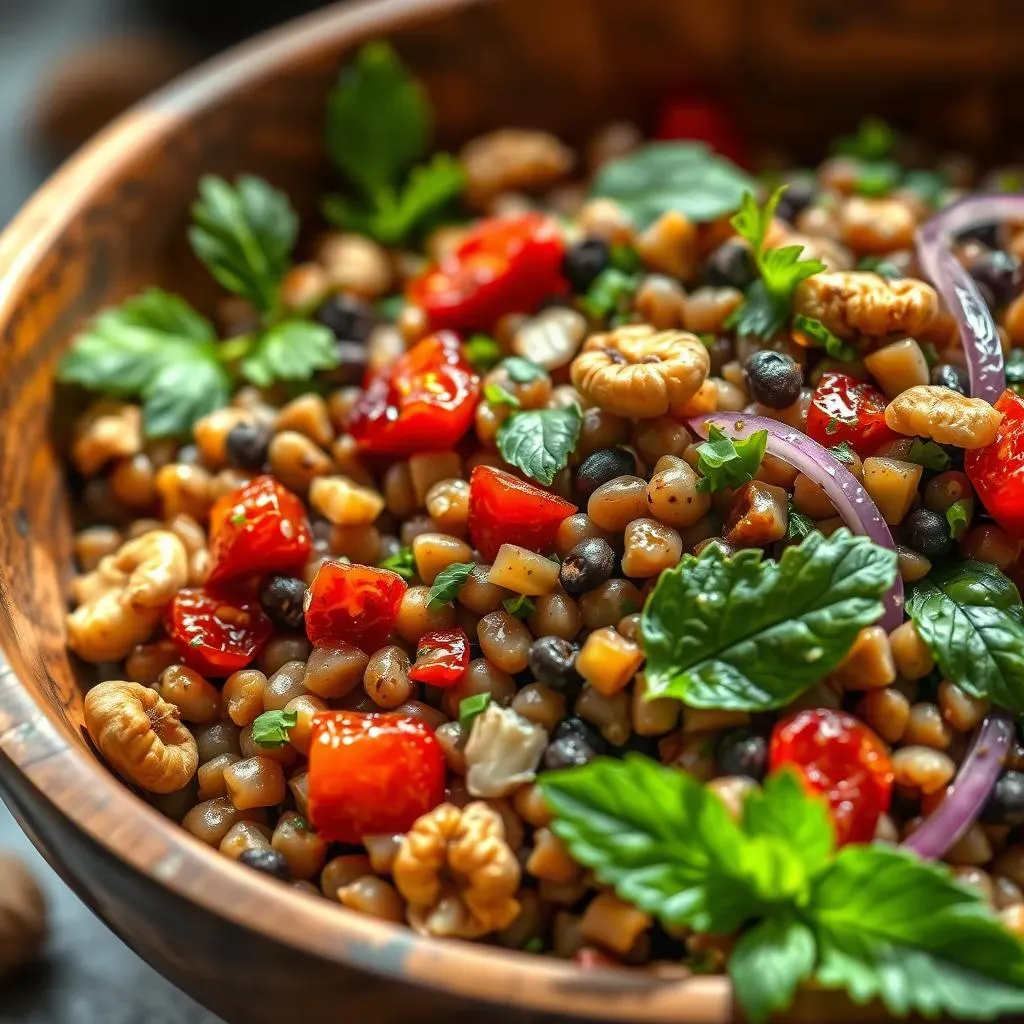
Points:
(977, 328)
(852, 502)
(966, 797)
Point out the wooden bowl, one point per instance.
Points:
(112, 220)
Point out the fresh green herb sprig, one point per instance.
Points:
(848, 919)
(540, 441)
(448, 583)
(270, 730)
(379, 124)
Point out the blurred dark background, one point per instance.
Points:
(67, 66)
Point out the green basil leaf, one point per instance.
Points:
(970, 616)
(497, 395)
(662, 177)
(928, 454)
(540, 441)
(378, 120)
(482, 352)
(769, 962)
(470, 707)
(291, 350)
(270, 730)
(522, 371)
(448, 583)
(723, 462)
(245, 234)
(401, 562)
(182, 392)
(892, 927)
(757, 634)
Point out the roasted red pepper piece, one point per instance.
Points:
(839, 757)
(258, 528)
(424, 402)
(997, 470)
(846, 409)
(217, 630)
(506, 510)
(352, 604)
(701, 119)
(371, 774)
(442, 657)
(505, 265)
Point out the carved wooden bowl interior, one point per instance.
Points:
(113, 219)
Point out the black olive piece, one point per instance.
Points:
(584, 261)
(350, 319)
(574, 726)
(743, 752)
(795, 199)
(998, 275)
(282, 598)
(775, 379)
(948, 376)
(601, 466)
(928, 532)
(1006, 803)
(552, 661)
(574, 744)
(588, 565)
(246, 446)
(731, 265)
(270, 862)
(987, 234)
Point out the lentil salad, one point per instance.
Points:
(611, 557)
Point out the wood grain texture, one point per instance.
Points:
(113, 220)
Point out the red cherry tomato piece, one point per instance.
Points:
(846, 409)
(701, 119)
(371, 774)
(258, 528)
(506, 510)
(217, 630)
(352, 604)
(505, 265)
(424, 402)
(442, 657)
(840, 757)
(997, 470)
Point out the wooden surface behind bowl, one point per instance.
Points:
(113, 220)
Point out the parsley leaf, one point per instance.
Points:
(662, 177)
(958, 517)
(522, 371)
(470, 707)
(540, 441)
(290, 350)
(609, 293)
(520, 606)
(244, 234)
(970, 616)
(723, 462)
(270, 730)
(844, 453)
(482, 352)
(821, 337)
(766, 306)
(448, 583)
(497, 395)
(401, 562)
(928, 454)
(182, 392)
(760, 633)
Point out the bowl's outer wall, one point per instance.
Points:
(114, 220)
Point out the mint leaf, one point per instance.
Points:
(182, 392)
(497, 395)
(522, 371)
(970, 616)
(401, 562)
(958, 517)
(470, 707)
(520, 606)
(760, 633)
(895, 928)
(482, 352)
(448, 583)
(270, 730)
(378, 120)
(723, 462)
(822, 337)
(769, 962)
(662, 177)
(610, 292)
(928, 454)
(540, 441)
(244, 233)
(291, 350)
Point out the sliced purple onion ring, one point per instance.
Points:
(817, 463)
(977, 328)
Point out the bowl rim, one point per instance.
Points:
(104, 808)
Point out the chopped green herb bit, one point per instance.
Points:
(482, 352)
(958, 516)
(882, 266)
(448, 583)
(799, 525)
(822, 337)
(270, 730)
(625, 258)
(390, 307)
(929, 455)
(873, 140)
(470, 707)
(497, 395)
(844, 453)
(611, 292)
(401, 562)
(522, 371)
(723, 462)
(520, 606)
(878, 178)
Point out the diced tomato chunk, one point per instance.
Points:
(352, 604)
(504, 265)
(424, 402)
(846, 409)
(258, 528)
(217, 630)
(997, 470)
(839, 757)
(506, 510)
(371, 774)
(442, 657)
